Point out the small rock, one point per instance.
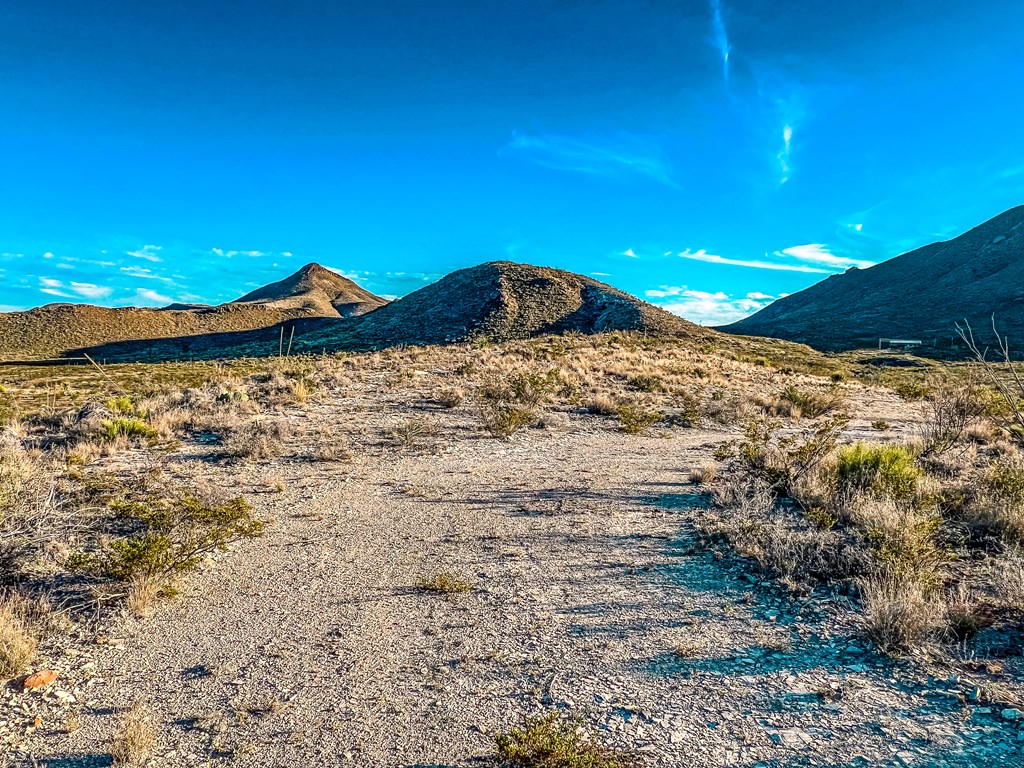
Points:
(1012, 714)
(39, 679)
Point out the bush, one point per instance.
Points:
(635, 419)
(783, 463)
(259, 439)
(551, 742)
(812, 404)
(17, 642)
(131, 427)
(646, 383)
(882, 470)
(899, 616)
(177, 535)
(503, 420)
(998, 502)
(952, 410)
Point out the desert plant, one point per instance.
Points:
(258, 439)
(646, 383)
(812, 404)
(135, 738)
(413, 431)
(782, 462)
(884, 470)
(177, 534)
(17, 641)
(899, 615)
(997, 503)
(952, 410)
(130, 427)
(504, 420)
(602, 405)
(551, 742)
(635, 419)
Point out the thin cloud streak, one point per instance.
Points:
(711, 258)
(816, 253)
(564, 153)
(721, 35)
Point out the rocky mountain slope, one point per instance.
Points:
(498, 300)
(922, 295)
(318, 290)
(55, 329)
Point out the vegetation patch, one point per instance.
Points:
(552, 742)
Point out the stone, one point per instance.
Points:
(1012, 714)
(39, 679)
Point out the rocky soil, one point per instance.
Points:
(313, 645)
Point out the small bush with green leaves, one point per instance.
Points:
(177, 534)
(784, 461)
(504, 420)
(130, 427)
(636, 419)
(882, 470)
(813, 404)
(552, 742)
(997, 505)
(646, 383)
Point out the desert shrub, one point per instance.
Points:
(552, 742)
(122, 406)
(28, 504)
(646, 383)
(952, 410)
(899, 614)
(812, 404)
(445, 582)
(997, 504)
(130, 427)
(783, 462)
(966, 613)
(881, 425)
(17, 641)
(525, 388)
(901, 534)
(883, 470)
(135, 739)
(450, 397)
(177, 534)
(504, 420)
(635, 419)
(602, 405)
(258, 439)
(414, 431)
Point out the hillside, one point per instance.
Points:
(921, 295)
(55, 329)
(318, 290)
(498, 300)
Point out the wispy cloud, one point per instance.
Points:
(706, 307)
(721, 36)
(711, 258)
(623, 156)
(785, 168)
(147, 296)
(147, 252)
(816, 253)
(53, 287)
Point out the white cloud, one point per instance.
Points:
(629, 252)
(816, 253)
(145, 294)
(711, 258)
(721, 35)
(91, 290)
(147, 252)
(706, 307)
(783, 157)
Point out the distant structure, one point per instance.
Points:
(888, 345)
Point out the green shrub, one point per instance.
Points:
(131, 427)
(636, 419)
(646, 383)
(884, 470)
(812, 404)
(998, 502)
(177, 534)
(551, 742)
(784, 462)
(503, 420)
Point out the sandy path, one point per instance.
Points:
(311, 646)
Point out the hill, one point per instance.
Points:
(922, 295)
(318, 290)
(498, 300)
(55, 329)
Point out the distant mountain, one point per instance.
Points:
(55, 329)
(502, 300)
(499, 300)
(922, 295)
(318, 290)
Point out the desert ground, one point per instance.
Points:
(441, 547)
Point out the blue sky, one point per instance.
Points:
(708, 154)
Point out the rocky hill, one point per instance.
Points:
(318, 290)
(498, 300)
(922, 295)
(56, 329)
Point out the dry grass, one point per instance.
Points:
(135, 739)
(899, 615)
(444, 582)
(17, 642)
